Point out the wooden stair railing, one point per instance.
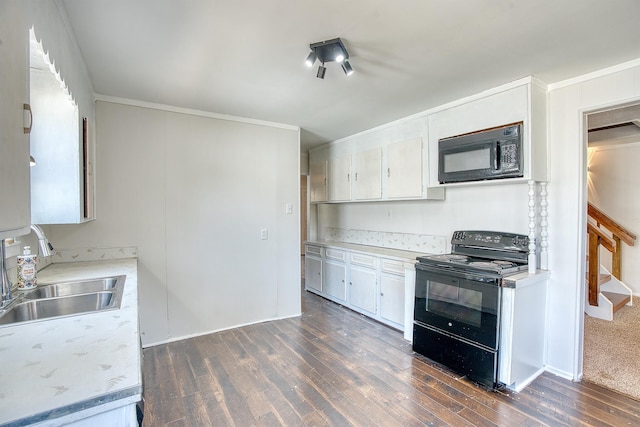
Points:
(613, 244)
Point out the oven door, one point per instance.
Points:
(458, 303)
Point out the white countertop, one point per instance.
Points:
(524, 278)
(52, 369)
(396, 254)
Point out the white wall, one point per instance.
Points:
(192, 193)
(613, 188)
(500, 207)
(568, 102)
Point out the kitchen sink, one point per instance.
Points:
(65, 299)
(74, 288)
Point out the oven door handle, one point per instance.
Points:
(451, 272)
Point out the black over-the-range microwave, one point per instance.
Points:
(495, 153)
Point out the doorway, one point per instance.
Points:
(613, 153)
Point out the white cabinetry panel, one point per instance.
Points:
(362, 288)
(313, 272)
(368, 174)
(340, 179)
(335, 280)
(15, 217)
(392, 298)
(318, 181)
(404, 169)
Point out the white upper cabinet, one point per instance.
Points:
(522, 101)
(404, 169)
(318, 181)
(339, 181)
(15, 214)
(381, 164)
(62, 178)
(368, 174)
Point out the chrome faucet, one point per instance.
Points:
(46, 248)
(4, 278)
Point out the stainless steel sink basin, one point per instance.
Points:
(73, 288)
(55, 307)
(65, 299)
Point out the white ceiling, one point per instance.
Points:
(246, 57)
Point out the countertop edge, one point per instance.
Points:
(524, 279)
(67, 410)
(392, 253)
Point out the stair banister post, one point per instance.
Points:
(594, 270)
(616, 259)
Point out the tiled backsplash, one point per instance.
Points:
(402, 241)
(94, 254)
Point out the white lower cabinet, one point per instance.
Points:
(362, 289)
(392, 292)
(313, 267)
(392, 298)
(376, 285)
(334, 284)
(313, 272)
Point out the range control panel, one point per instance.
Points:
(491, 240)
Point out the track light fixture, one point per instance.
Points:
(329, 51)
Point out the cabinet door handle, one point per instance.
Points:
(348, 177)
(388, 172)
(381, 294)
(356, 176)
(27, 111)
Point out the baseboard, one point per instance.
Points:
(559, 373)
(199, 334)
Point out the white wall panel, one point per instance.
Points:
(193, 193)
(130, 208)
(567, 209)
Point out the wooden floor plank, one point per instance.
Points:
(334, 367)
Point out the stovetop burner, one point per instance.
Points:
(472, 263)
(483, 251)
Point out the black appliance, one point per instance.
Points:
(490, 154)
(457, 301)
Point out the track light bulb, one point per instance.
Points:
(311, 58)
(346, 67)
(339, 57)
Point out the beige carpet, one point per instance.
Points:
(612, 350)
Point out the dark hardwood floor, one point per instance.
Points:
(332, 366)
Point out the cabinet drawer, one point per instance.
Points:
(337, 254)
(363, 260)
(392, 266)
(313, 250)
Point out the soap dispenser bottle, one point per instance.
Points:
(27, 269)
